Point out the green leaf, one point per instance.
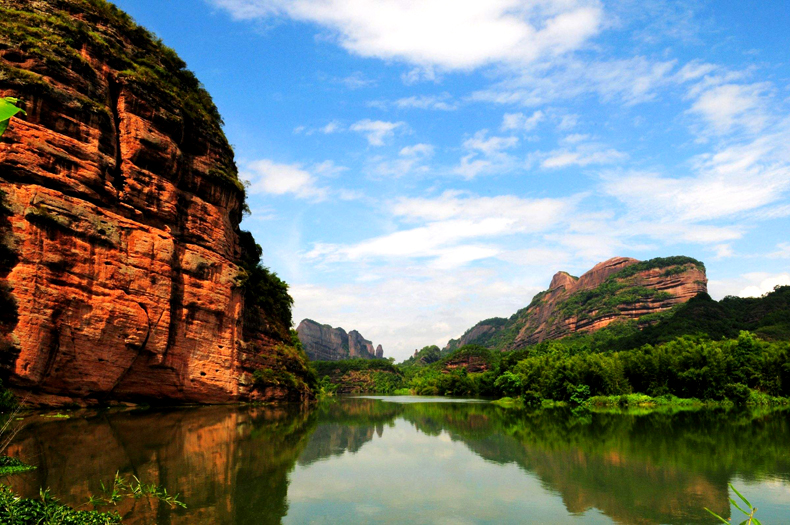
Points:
(756, 521)
(3, 126)
(741, 496)
(735, 504)
(8, 108)
(717, 516)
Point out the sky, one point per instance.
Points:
(416, 166)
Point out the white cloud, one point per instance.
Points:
(422, 305)
(627, 81)
(441, 102)
(782, 251)
(575, 138)
(583, 155)
(417, 150)
(521, 122)
(449, 34)
(376, 131)
(448, 222)
(734, 179)
(332, 127)
(722, 251)
(420, 74)
(766, 284)
(489, 146)
(411, 159)
(731, 106)
(357, 80)
(328, 169)
(486, 155)
(266, 176)
(688, 198)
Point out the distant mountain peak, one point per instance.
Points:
(323, 342)
(618, 288)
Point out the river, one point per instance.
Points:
(416, 460)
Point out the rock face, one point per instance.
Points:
(325, 343)
(617, 289)
(121, 209)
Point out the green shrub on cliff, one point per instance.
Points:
(267, 301)
(287, 367)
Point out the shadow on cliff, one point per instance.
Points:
(9, 350)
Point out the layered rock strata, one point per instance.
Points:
(325, 343)
(122, 210)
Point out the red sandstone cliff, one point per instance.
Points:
(617, 289)
(121, 212)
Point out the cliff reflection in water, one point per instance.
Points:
(233, 465)
(229, 464)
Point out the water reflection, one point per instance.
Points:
(370, 460)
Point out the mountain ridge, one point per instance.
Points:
(323, 342)
(618, 288)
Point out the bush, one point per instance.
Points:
(21, 511)
(738, 393)
(509, 384)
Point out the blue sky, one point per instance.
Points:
(416, 166)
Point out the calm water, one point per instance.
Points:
(417, 460)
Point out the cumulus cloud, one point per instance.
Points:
(448, 34)
(266, 176)
(376, 131)
(766, 284)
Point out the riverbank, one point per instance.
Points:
(751, 399)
